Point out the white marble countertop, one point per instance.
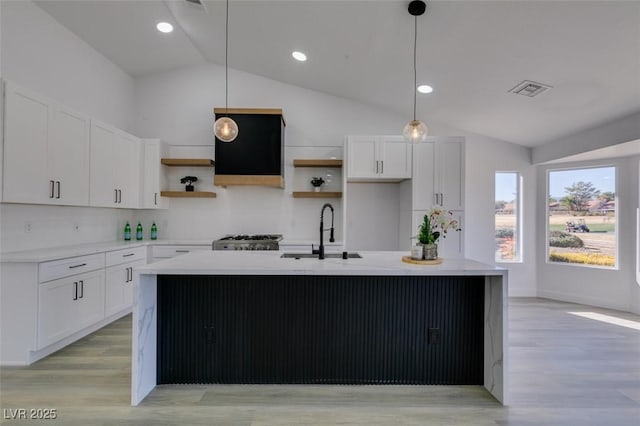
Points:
(63, 252)
(270, 263)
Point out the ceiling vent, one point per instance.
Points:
(529, 88)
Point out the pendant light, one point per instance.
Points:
(415, 130)
(225, 128)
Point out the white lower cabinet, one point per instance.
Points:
(119, 287)
(161, 252)
(69, 304)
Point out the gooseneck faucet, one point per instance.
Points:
(331, 239)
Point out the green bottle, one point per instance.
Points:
(139, 232)
(127, 232)
(154, 231)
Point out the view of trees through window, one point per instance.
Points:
(507, 207)
(582, 216)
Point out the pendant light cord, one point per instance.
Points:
(226, 62)
(415, 81)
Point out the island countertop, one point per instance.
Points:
(270, 263)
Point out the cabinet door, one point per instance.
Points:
(424, 176)
(69, 157)
(151, 181)
(26, 139)
(129, 159)
(90, 306)
(449, 247)
(119, 288)
(103, 165)
(451, 177)
(57, 307)
(394, 156)
(362, 161)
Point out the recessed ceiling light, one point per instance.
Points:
(164, 27)
(423, 88)
(299, 56)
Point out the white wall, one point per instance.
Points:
(42, 55)
(177, 107)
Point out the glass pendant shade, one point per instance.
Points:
(415, 131)
(225, 129)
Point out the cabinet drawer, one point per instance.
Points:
(55, 269)
(172, 251)
(126, 255)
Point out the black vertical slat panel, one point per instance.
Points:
(314, 329)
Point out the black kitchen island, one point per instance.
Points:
(373, 320)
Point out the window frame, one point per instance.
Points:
(616, 172)
(518, 229)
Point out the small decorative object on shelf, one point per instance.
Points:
(435, 223)
(317, 183)
(189, 180)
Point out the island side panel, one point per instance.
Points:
(144, 344)
(321, 329)
(495, 336)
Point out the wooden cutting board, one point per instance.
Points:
(408, 259)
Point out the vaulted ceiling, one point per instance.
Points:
(471, 52)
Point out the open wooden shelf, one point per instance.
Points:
(317, 163)
(187, 162)
(185, 194)
(313, 194)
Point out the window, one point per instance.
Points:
(507, 217)
(582, 212)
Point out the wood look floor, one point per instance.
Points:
(564, 370)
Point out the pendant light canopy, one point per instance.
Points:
(225, 128)
(415, 130)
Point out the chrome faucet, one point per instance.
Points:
(322, 230)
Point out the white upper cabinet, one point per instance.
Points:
(154, 177)
(46, 151)
(377, 158)
(69, 161)
(116, 167)
(438, 174)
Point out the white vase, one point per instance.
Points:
(316, 188)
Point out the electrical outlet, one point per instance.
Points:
(27, 227)
(435, 336)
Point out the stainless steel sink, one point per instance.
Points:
(315, 256)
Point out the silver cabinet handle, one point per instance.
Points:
(51, 184)
(58, 185)
(128, 255)
(182, 251)
(81, 289)
(116, 200)
(441, 199)
(75, 291)
(155, 198)
(377, 167)
(382, 167)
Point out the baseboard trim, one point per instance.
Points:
(582, 300)
(38, 355)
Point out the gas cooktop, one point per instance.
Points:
(248, 242)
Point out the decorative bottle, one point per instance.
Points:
(139, 231)
(127, 232)
(154, 231)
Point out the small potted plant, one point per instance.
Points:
(435, 223)
(317, 183)
(189, 180)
